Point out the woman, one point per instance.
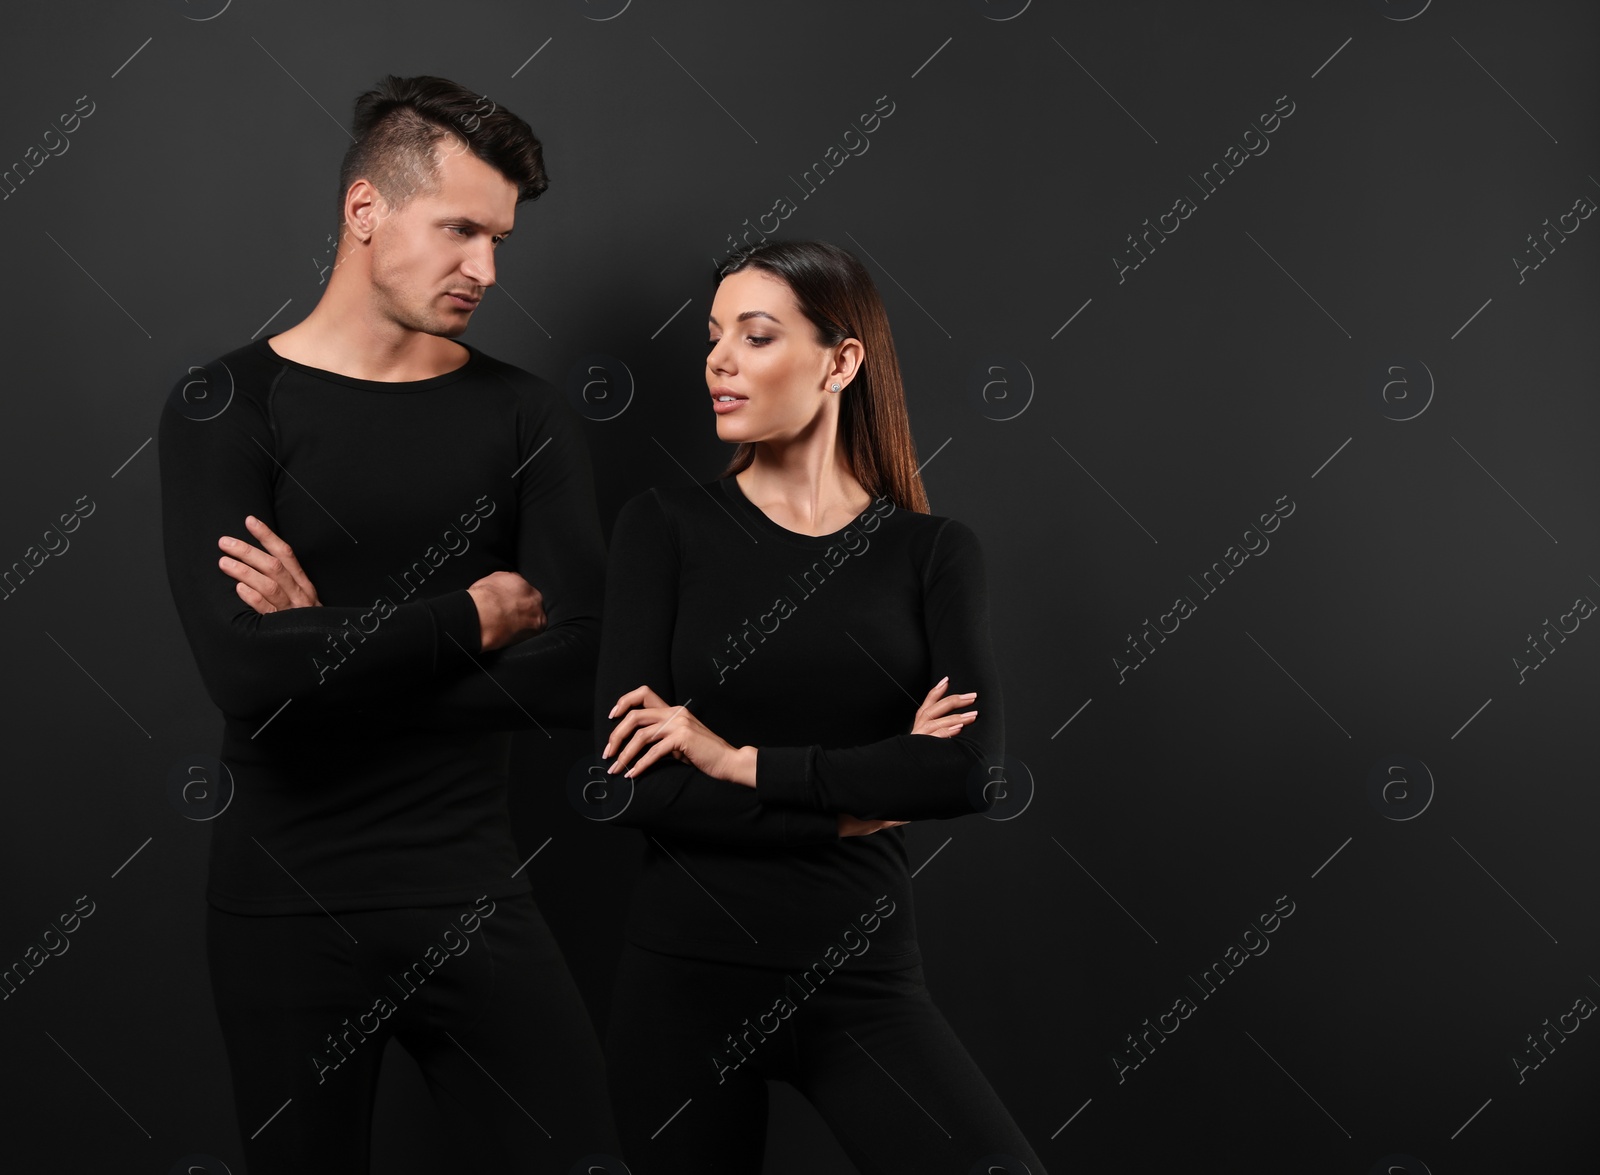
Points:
(765, 638)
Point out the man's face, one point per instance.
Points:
(434, 258)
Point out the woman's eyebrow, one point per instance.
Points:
(748, 314)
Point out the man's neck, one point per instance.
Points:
(355, 354)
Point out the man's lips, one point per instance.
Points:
(466, 300)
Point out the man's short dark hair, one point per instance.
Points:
(399, 121)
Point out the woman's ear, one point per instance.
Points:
(847, 358)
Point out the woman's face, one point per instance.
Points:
(764, 351)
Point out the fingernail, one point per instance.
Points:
(944, 679)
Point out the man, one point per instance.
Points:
(364, 883)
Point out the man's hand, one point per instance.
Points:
(509, 609)
(270, 580)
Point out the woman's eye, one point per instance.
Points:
(710, 343)
(758, 340)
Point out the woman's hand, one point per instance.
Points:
(671, 730)
(934, 717)
(270, 580)
(854, 826)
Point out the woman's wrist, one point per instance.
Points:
(742, 766)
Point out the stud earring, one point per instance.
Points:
(836, 387)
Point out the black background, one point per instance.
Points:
(1108, 433)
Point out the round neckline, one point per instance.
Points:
(732, 488)
(474, 357)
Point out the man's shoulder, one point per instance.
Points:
(203, 391)
(518, 379)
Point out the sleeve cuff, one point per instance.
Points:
(783, 777)
(455, 615)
